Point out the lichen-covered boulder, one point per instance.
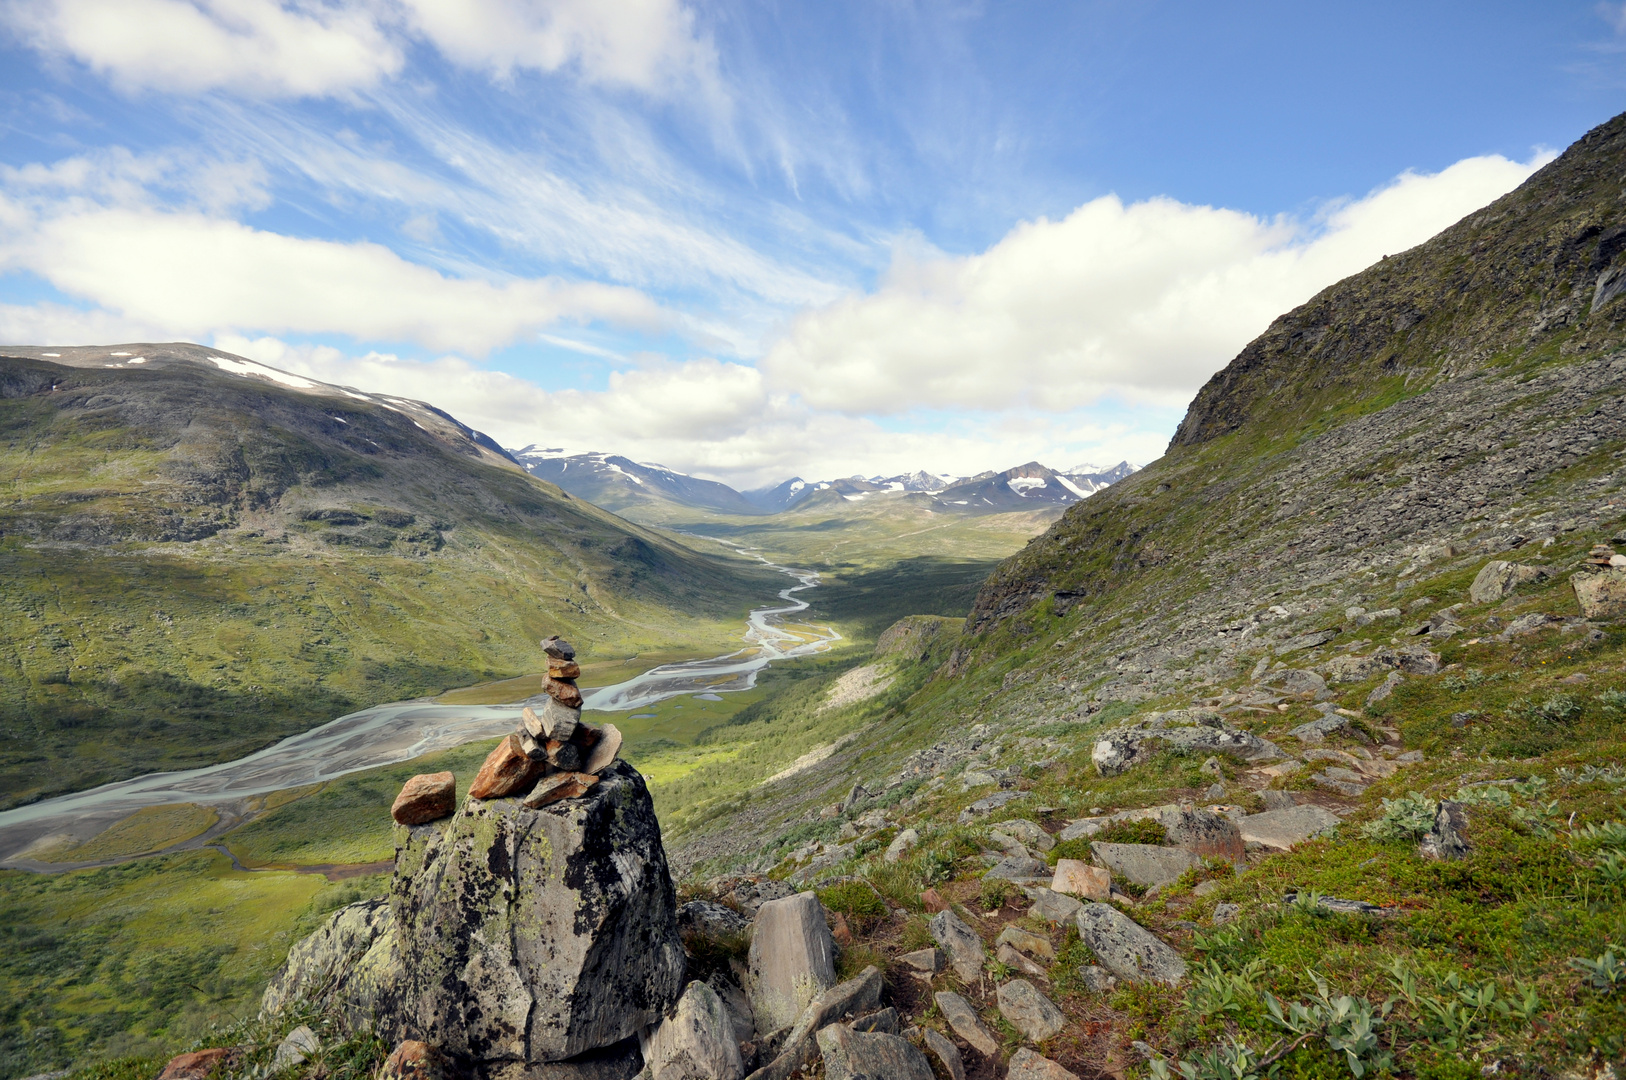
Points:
(533, 935)
(350, 964)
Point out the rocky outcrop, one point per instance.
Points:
(792, 960)
(1121, 749)
(1498, 578)
(351, 962)
(1601, 596)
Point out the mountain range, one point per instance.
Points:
(629, 487)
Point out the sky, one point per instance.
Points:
(761, 239)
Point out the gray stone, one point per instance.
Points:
(299, 1044)
(750, 895)
(1280, 830)
(1497, 579)
(885, 1021)
(1294, 681)
(619, 1062)
(530, 936)
(712, 920)
(853, 1055)
(1338, 904)
(545, 719)
(986, 806)
(1027, 832)
(1449, 837)
(965, 1022)
(1343, 781)
(943, 1048)
(695, 1041)
(1018, 868)
(966, 952)
(1317, 730)
(1382, 691)
(901, 844)
(1029, 1011)
(792, 960)
(1202, 832)
(1006, 954)
(1215, 792)
(1601, 596)
(1027, 1064)
(924, 962)
(1314, 639)
(859, 995)
(1276, 800)
(1125, 948)
(738, 1005)
(350, 964)
(1097, 979)
(1053, 907)
(1224, 913)
(1120, 749)
(1145, 864)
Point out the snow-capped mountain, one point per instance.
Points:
(1028, 486)
(617, 483)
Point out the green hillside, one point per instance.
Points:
(194, 564)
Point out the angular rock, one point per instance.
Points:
(1313, 639)
(196, 1065)
(1382, 691)
(424, 798)
(1602, 596)
(1120, 749)
(924, 962)
(695, 1041)
(296, 1046)
(1224, 913)
(1053, 906)
(738, 1005)
(1078, 878)
(792, 960)
(859, 995)
(1350, 669)
(350, 964)
(1008, 956)
(566, 756)
(1343, 781)
(605, 750)
(1032, 944)
(1317, 730)
(1029, 1011)
(558, 648)
(563, 669)
(884, 1021)
(1028, 832)
(1449, 837)
(1296, 682)
(565, 693)
(1201, 832)
(1017, 868)
(507, 770)
(535, 749)
(965, 1022)
(552, 720)
(1145, 864)
(415, 1060)
(944, 1050)
(1281, 830)
(966, 952)
(1026, 1064)
(534, 935)
(901, 845)
(985, 806)
(1497, 579)
(852, 1055)
(712, 920)
(1097, 979)
(1275, 800)
(558, 787)
(1125, 948)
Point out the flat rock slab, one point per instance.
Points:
(1145, 864)
(695, 1041)
(1127, 949)
(1053, 906)
(924, 962)
(965, 1022)
(1026, 1064)
(1029, 1011)
(966, 952)
(1018, 868)
(1280, 830)
(1075, 877)
(792, 960)
(857, 1055)
(1032, 944)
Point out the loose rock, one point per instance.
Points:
(1449, 837)
(507, 770)
(1119, 750)
(852, 1055)
(1125, 948)
(1498, 579)
(1053, 906)
(1008, 956)
(901, 844)
(605, 750)
(924, 962)
(1097, 980)
(965, 949)
(1029, 1011)
(792, 960)
(965, 1022)
(296, 1046)
(563, 691)
(1385, 688)
(1026, 1064)
(559, 786)
(1280, 830)
(554, 721)
(695, 1041)
(1145, 864)
(712, 919)
(196, 1065)
(1602, 596)
(1032, 944)
(558, 648)
(946, 1052)
(424, 798)
(414, 1060)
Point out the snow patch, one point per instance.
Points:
(249, 367)
(1074, 488)
(1024, 484)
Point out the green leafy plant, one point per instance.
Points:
(1613, 701)
(1451, 1008)
(1133, 832)
(994, 893)
(1405, 818)
(1347, 1023)
(1606, 974)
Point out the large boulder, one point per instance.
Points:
(1280, 830)
(1127, 949)
(792, 960)
(1145, 864)
(350, 964)
(1499, 578)
(534, 935)
(1601, 596)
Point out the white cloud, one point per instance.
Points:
(1144, 301)
(260, 48)
(306, 48)
(193, 274)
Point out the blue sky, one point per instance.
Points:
(759, 239)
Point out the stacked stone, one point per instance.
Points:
(1604, 555)
(552, 755)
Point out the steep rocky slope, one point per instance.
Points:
(195, 562)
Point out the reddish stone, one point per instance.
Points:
(198, 1064)
(839, 930)
(565, 693)
(426, 797)
(566, 756)
(934, 901)
(508, 770)
(604, 753)
(564, 785)
(564, 669)
(414, 1060)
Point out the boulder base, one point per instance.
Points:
(1602, 596)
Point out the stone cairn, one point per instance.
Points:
(552, 755)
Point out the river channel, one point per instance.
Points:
(385, 734)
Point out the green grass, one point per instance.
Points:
(151, 829)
